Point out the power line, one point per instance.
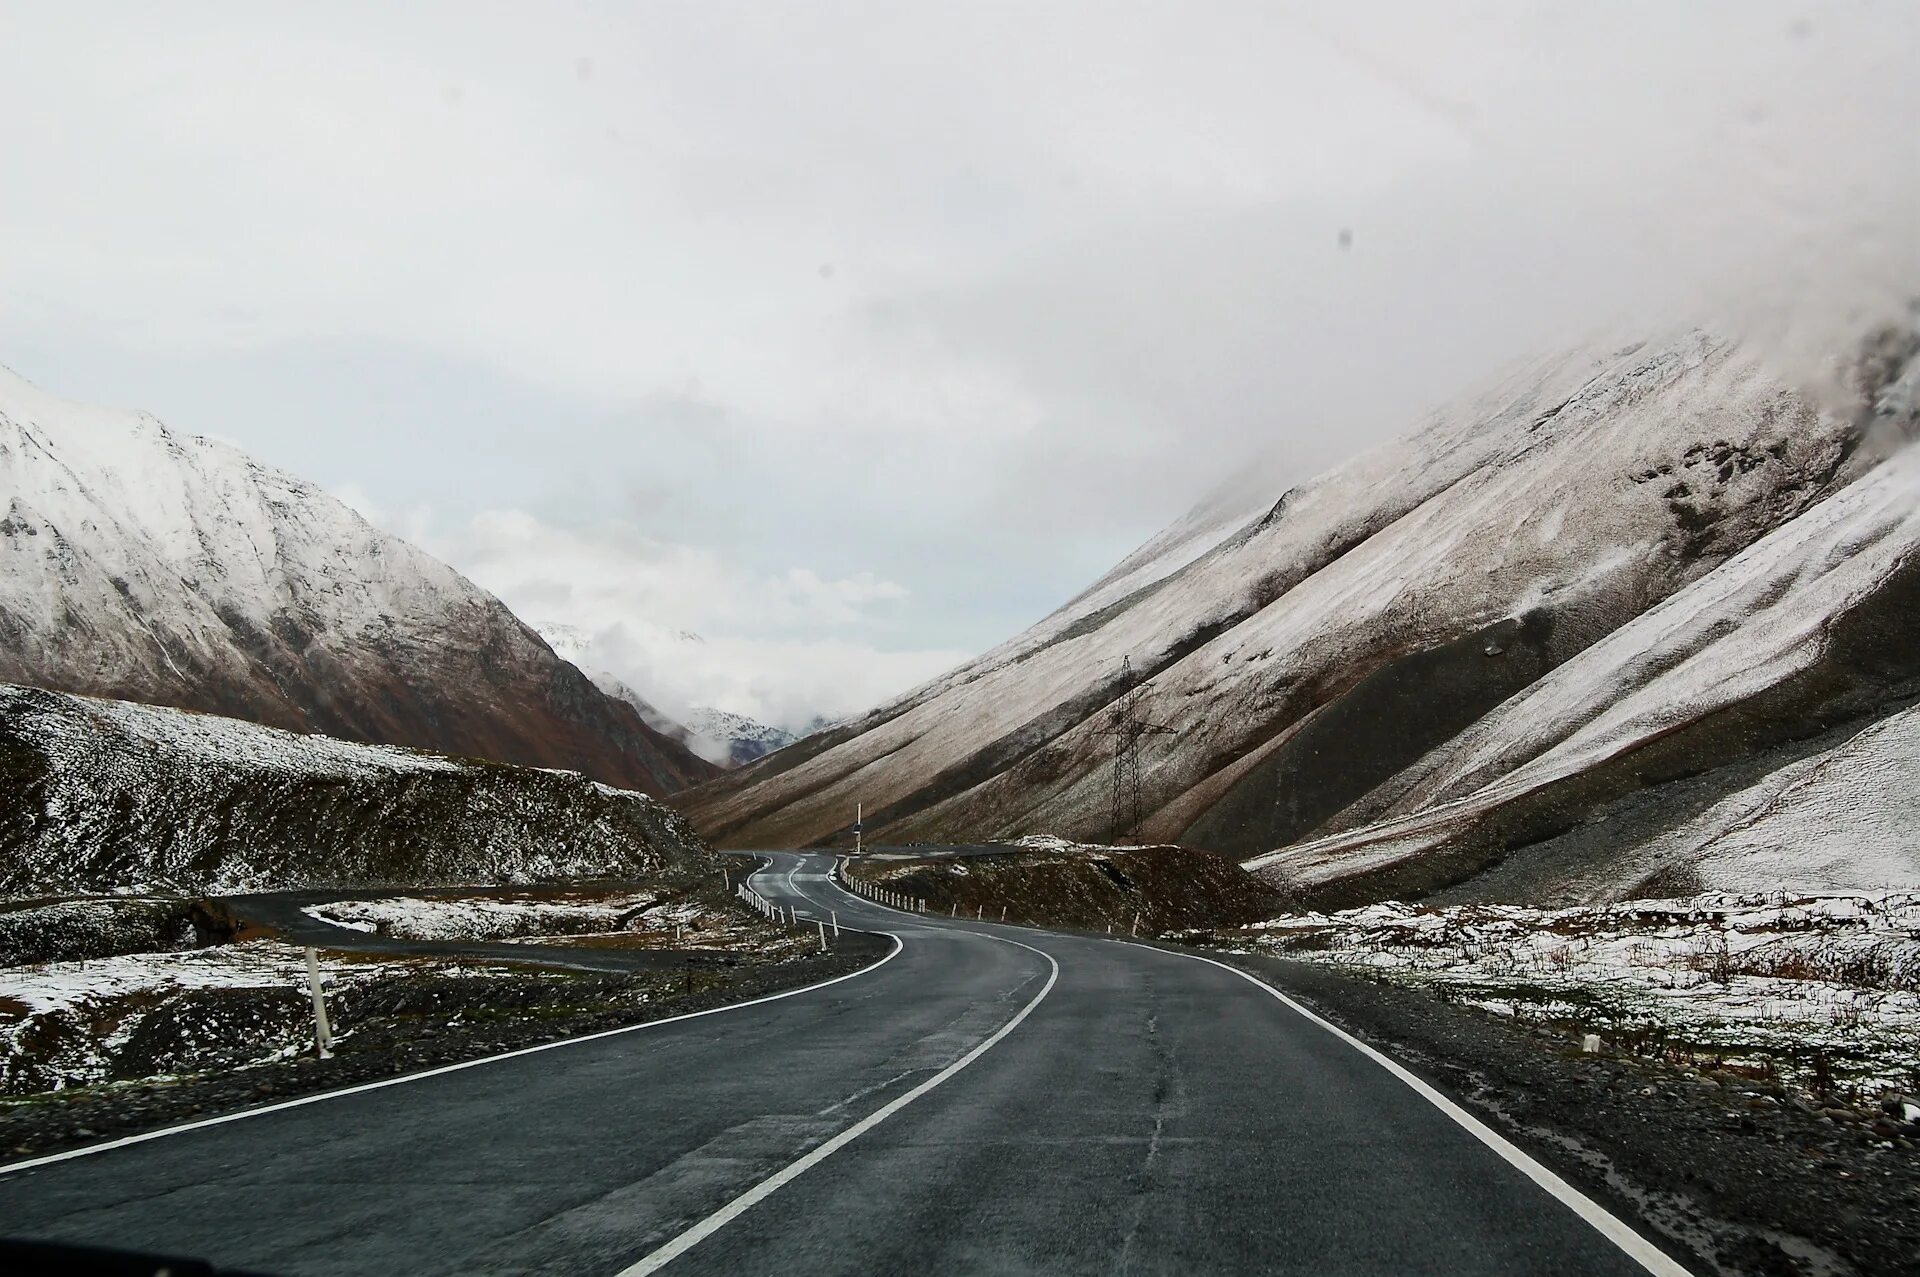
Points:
(1126, 726)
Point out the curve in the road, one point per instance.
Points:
(999, 1099)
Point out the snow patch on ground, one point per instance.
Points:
(1054, 845)
(65, 1023)
(483, 917)
(1822, 990)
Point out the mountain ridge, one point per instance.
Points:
(143, 564)
(1313, 652)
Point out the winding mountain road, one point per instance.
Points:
(987, 1099)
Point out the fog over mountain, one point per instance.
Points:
(858, 373)
(1605, 572)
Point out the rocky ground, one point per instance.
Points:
(1050, 882)
(1820, 992)
(401, 1023)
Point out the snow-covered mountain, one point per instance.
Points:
(100, 795)
(733, 740)
(140, 563)
(1609, 570)
(575, 645)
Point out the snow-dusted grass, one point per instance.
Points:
(208, 738)
(67, 1023)
(1053, 844)
(636, 918)
(486, 917)
(1822, 991)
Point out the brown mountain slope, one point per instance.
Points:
(1307, 655)
(141, 564)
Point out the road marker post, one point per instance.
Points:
(823, 934)
(1003, 913)
(955, 910)
(322, 1031)
(836, 923)
(1134, 930)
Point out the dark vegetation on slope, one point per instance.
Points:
(1092, 889)
(1320, 765)
(1871, 669)
(74, 930)
(94, 806)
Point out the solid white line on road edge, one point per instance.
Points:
(1603, 1221)
(304, 1100)
(779, 1179)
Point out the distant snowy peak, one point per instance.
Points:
(144, 564)
(721, 737)
(733, 740)
(574, 644)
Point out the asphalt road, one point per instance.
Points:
(988, 1099)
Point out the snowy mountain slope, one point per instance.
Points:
(1810, 627)
(734, 739)
(141, 563)
(1307, 657)
(575, 645)
(100, 795)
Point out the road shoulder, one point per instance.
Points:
(1748, 1187)
(456, 1032)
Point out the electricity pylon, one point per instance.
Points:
(1125, 725)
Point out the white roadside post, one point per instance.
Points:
(823, 934)
(322, 1031)
(1134, 930)
(859, 820)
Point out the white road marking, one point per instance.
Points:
(304, 1100)
(1603, 1221)
(713, 1223)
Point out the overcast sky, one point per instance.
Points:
(855, 337)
